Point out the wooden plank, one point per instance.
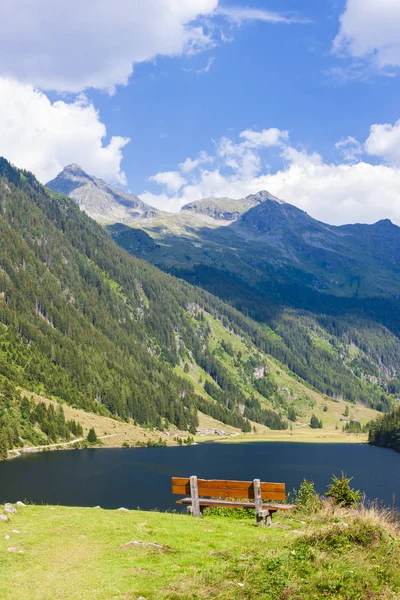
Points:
(194, 493)
(266, 486)
(238, 504)
(239, 493)
(181, 490)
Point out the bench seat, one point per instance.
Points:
(236, 504)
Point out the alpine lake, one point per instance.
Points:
(141, 477)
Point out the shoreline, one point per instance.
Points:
(361, 439)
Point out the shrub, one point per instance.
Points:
(341, 492)
(315, 423)
(91, 436)
(306, 498)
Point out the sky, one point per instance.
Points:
(177, 100)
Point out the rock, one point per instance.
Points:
(97, 506)
(3, 518)
(9, 508)
(7, 537)
(21, 504)
(15, 531)
(144, 545)
(298, 531)
(15, 549)
(122, 508)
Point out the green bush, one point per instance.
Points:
(235, 513)
(91, 436)
(341, 492)
(315, 423)
(306, 498)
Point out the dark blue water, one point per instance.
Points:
(141, 477)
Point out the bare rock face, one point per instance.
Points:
(101, 201)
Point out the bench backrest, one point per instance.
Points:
(220, 488)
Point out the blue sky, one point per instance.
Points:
(297, 97)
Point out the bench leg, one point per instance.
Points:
(260, 520)
(264, 518)
(194, 493)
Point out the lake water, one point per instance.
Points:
(141, 477)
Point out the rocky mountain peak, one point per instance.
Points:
(103, 202)
(263, 196)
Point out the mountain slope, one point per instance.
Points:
(83, 321)
(98, 199)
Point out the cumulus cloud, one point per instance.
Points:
(267, 138)
(384, 141)
(334, 192)
(43, 137)
(370, 30)
(75, 45)
(172, 180)
(190, 164)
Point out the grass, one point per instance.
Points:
(73, 553)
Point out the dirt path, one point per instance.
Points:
(59, 445)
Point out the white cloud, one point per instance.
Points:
(75, 45)
(172, 180)
(384, 141)
(43, 137)
(370, 30)
(350, 149)
(190, 164)
(266, 138)
(240, 14)
(336, 193)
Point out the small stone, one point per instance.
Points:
(15, 549)
(3, 518)
(298, 531)
(97, 506)
(21, 504)
(15, 531)
(122, 508)
(9, 508)
(7, 537)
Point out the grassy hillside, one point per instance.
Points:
(49, 552)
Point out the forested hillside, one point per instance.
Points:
(385, 430)
(83, 321)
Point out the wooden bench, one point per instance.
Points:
(209, 492)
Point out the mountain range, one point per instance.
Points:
(259, 239)
(85, 322)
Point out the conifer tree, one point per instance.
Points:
(91, 436)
